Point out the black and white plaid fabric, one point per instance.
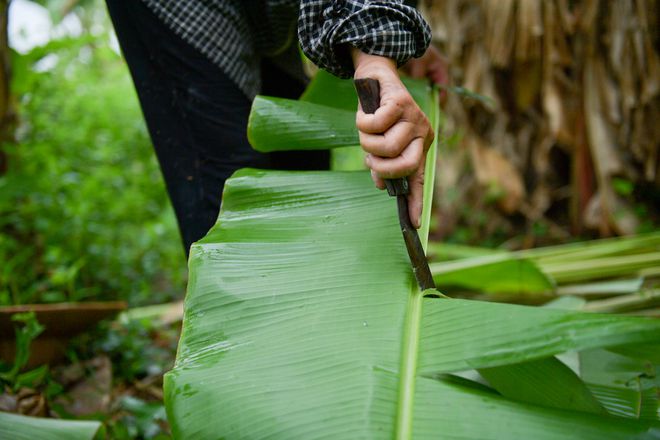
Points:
(234, 33)
(386, 28)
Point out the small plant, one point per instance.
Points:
(137, 348)
(27, 329)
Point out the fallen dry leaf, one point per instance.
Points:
(90, 393)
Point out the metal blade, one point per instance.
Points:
(416, 253)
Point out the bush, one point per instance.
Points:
(83, 210)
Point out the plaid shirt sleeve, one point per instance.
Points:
(387, 28)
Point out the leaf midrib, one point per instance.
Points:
(413, 318)
(403, 425)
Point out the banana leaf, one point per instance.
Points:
(303, 320)
(603, 288)
(18, 427)
(626, 386)
(498, 273)
(546, 382)
(578, 251)
(324, 127)
(569, 263)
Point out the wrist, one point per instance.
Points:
(364, 61)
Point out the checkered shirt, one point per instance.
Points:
(234, 34)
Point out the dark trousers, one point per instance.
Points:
(196, 116)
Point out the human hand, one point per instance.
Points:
(398, 135)
(432, 65)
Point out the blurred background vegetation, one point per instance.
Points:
(567, 144)
(84, 216)
(83, 210)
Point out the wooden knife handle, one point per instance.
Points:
(368, 91)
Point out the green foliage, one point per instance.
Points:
(143, 420)
(86, 10)
(141, 350)
(469, 94)
(494, 274)
(17, 427)
(627, 385)
(593, 264)
(83, 211)
(27, 328)
(137, 348)
(622, 186)
(545, 382)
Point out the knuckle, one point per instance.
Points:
(401, 101)
(379, 171)
(408, 165)
(377, 122)
(365, 141)
(422, 120)
(392, 147)
(383, 170)
(406, 99)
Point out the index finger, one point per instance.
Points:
(384, 118)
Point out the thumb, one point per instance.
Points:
(416, 196)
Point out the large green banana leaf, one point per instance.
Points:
(19, 427)
(303, 321)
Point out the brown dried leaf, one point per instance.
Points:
(622, 216)
(529, 30)
(31, 403)
(478, 76)
(527, 83)
(601, 138)
(594, 98)
(499, 24)
(91, 393)
(492, 169)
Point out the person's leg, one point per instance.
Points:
(195, 114)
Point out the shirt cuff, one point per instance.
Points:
(385, 28)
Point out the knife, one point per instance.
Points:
(368, 91)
